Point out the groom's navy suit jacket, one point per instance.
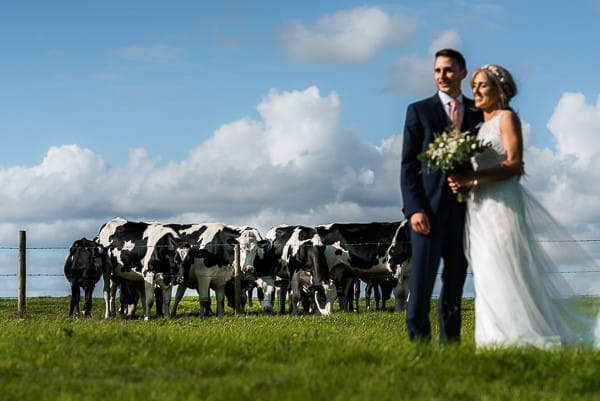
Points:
(428, 191)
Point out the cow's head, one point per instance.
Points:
(251, 245)
(185, 255)
(163, 258)
(400, 250)
(309, 255)
(324, 295)
(85, 262)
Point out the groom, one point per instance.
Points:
(436, 218)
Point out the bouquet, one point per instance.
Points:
(450, 150)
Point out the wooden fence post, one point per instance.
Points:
(237, 281)
(22, 272)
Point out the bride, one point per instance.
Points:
(510, 239)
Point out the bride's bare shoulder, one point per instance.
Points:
(509, 120)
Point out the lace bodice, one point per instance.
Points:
(489, 132)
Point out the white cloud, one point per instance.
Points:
(293, 165)
(413, 75)
(352, 36)
(447, 39)
(566, 179)
(295, 160)
(290, 136)
(572, 124)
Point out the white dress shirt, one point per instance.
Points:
(446, 99)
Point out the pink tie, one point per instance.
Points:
(454, 117)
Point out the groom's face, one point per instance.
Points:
(448, 75)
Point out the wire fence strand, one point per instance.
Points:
(379, 243)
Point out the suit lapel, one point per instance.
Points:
(440, 117)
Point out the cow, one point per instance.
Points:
(141, 251)
(84, 266)
(296, 256)
(382, 289)
(130, 294)
(206, 260)
(367, 251)
(352, 296)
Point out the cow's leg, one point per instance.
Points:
(368, 291)
(106, 281)
(178, 297)
(166, 292)
(341, 296)
(295, 295)
(106, 294)
(386, 294)
(204, 295)
(220, 295)
(249, 296)
(131, 291)
(345, 305)
(87, 306)
(350, 296)
(75, 294)
(402, 290)
(159, 299)
(356, 294)
(283, 290)
(112, 308)
(377, 292)
(149, 285)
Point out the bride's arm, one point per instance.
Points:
(512, 140)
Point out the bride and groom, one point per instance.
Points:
(520, 299)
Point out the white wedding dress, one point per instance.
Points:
(515, 249)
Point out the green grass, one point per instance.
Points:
(346, 356)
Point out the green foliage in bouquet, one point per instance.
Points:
(451, 149)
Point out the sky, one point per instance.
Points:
(267, 112)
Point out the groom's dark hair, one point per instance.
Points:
(453, 54)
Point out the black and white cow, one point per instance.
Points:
(297, 256)
(141, 251)
(369, 250)
(84, 266)
(206, 259)
(382, 289)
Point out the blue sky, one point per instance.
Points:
(268, 112)
(114, 75)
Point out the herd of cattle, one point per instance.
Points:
(312, 266)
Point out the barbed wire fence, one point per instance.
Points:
(22, 274)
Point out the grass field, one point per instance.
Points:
(346, 356)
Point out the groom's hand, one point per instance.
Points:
(419, 222)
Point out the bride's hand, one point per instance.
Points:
(453, 183)
(457, 183)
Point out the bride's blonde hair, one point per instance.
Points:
(501, 79)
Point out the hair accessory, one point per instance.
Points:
(496, 71)
(503, 80)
